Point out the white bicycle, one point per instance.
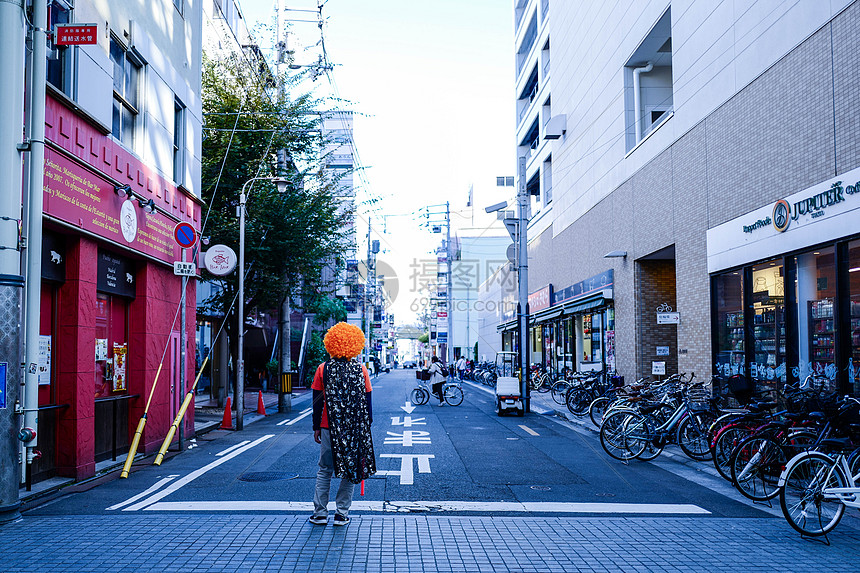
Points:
(816, 488)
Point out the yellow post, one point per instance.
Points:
(179, 415)
(136, 441)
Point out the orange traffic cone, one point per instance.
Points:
(227, 423)
(261, 408)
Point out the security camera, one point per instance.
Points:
(496, 207)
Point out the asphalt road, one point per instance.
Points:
(447, 460)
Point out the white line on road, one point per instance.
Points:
(441, 506)
(196, 474)
(304, 413)
(233, 447)
(480, 387)
(157, 486)
(529, 430)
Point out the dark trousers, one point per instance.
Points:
(437, 389)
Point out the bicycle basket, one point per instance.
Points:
(699, 398)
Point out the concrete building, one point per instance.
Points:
(122, 168)
(693, 172)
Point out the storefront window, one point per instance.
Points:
(816, 292)
(854, 311)
(768, 303)
(111, 345)
(592, 334)
(610, 339)
(728, 303)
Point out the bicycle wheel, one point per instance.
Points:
(558, 390)
(805, 505)
(453, 395)
(724, 444)
(645, 439)
(577, 401)
(419, 396)
(756, 465)
(614, 434)
(597, 408)
(692, 436)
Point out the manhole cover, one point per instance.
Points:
(267, 476)
(605, 494)
(541, 487)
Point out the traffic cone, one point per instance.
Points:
(227, 422)
(261, 408)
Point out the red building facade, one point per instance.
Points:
(110, 301)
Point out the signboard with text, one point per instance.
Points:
(81, 198)
(76, 34)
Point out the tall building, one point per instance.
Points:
(694, 181)
(122, 168)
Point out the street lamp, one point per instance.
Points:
(281, 184)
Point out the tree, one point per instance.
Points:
(287, 235)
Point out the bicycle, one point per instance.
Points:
(452, 393)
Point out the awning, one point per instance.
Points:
(581, 306)
(506, 325)
(547, 314)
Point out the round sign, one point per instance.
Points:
(128, 221)
(781, 215)
(185, 235)
(220, 260)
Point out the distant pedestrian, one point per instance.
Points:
(461, 367)
(437, 379)
(342, 415)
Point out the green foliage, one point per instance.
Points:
(287, 235)
(326, 309)
(424, 338)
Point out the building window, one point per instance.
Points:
(59, 65)
(126, 79)
(728, 304)
(768, 328)
(854, 316)
(648, 82)
(178, 142)
(816, 321)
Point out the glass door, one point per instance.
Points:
(768, 329)
(816, 293)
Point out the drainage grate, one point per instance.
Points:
(267, 476)
(541, 487)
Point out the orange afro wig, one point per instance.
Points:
(344, 340)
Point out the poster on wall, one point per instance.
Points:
(119, 364)
(610, 350)
(44, 360)
(101, 349)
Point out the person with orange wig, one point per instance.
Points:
(342, 415)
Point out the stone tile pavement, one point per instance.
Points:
(413, 543)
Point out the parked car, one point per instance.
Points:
(409, 364)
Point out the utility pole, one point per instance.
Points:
(523, 281)
(365, 324)
(12, 27)
(448, 256)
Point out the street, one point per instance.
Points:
(459, 489)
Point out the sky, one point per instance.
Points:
(432, 88)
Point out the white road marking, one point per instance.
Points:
(407, 407)
(529, 430)
(304, 413)
(195, 474)
(441, 506)
(231, 448)
(155, 487)
(480, 387)
(407, 422)
(408, 438)
(407, 476)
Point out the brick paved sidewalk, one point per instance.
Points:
(412, 543)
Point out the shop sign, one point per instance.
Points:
(540, 299)
(582, 288)
(87, 201)
(442, 314)
(770, 230)
(220, 260)
(53, 257)
(658, 368)
(120, 352)
(115, 275)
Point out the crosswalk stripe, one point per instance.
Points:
(529, 430)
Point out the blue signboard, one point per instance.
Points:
(582, 288)
(3, 366)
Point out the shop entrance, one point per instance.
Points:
(657, 344)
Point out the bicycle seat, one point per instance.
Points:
(761, 406)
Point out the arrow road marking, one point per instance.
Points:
(529, 430)
(157, 486)
(407, 476)
(196, 474)
(408, 407)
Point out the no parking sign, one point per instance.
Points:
(185, 235)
